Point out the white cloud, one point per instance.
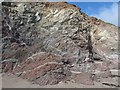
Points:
(108, 14)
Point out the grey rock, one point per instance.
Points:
(59, 30)
(115, 72)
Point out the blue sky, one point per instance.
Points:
(91, 7)
(107, 11)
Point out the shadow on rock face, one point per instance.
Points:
(55, 42)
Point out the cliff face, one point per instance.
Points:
(52, 42)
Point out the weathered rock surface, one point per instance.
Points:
(84, 78)
(48, 43)
(111, 82)
(115, 72)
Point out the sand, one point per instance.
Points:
(11, 81)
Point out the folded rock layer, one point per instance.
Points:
(52, 42)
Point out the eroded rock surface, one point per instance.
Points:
(48, 43)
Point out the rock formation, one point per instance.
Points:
(52, 42)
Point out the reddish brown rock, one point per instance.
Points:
(51, 40)
(84, 78)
